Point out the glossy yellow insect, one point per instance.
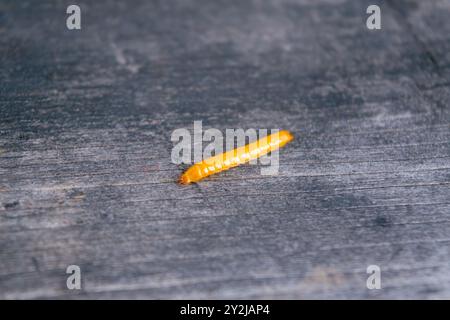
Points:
(235, 157)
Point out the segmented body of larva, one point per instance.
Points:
(235, 157)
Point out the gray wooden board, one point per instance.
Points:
(86, 176)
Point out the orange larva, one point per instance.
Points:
(235, 157)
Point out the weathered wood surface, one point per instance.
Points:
(85, 170)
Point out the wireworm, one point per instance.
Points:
(235, 157)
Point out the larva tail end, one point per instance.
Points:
(184, 179)
(289, 135)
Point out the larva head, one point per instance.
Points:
(193, 174)
(184, 179)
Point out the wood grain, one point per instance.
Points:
(86, 176)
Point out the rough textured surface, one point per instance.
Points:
(85, 170)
